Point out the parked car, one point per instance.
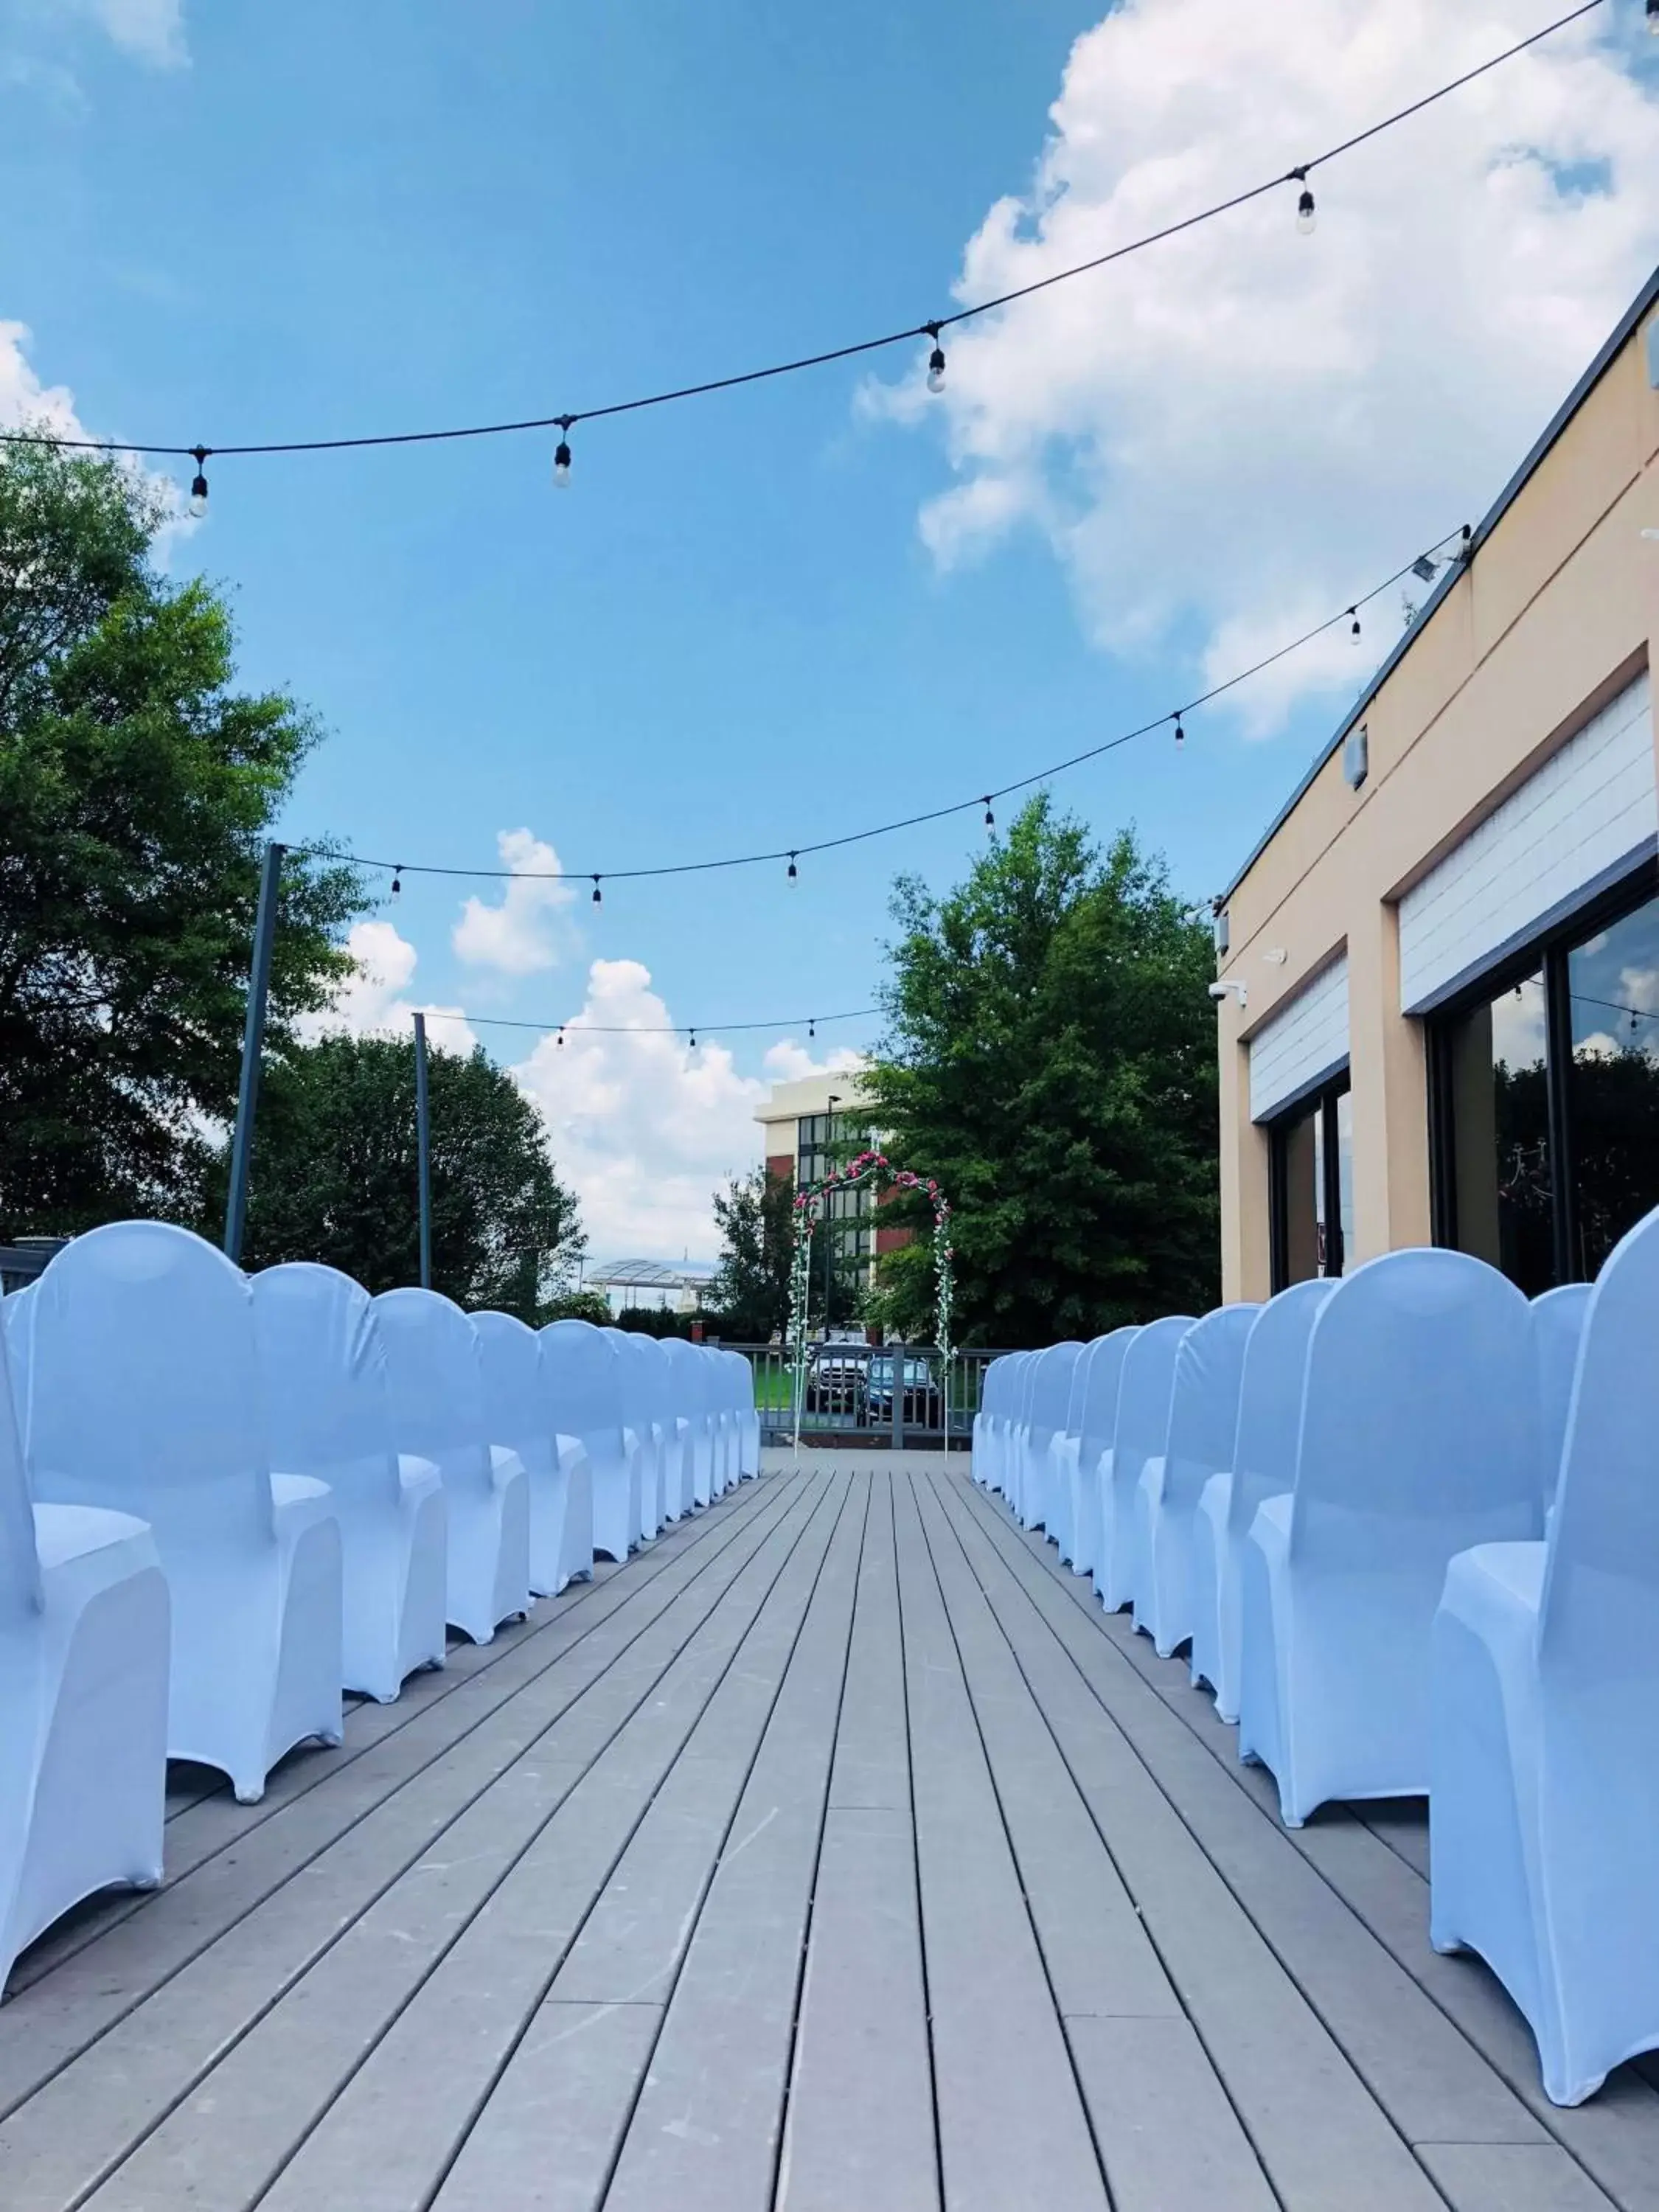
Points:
(924, 1403)
(836, 1378)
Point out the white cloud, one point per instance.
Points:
(150, 30)
(371, 1002)
(519, 935)
(644, 1129)
(1237, 429)
(23, 398)
(789, 1062)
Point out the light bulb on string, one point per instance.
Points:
(935, 360)
(793, 872)
(990, 819)
(559, 1041)
(1653, 17)
(1180, 734)
(598, 901)
(813, 1028)
(198, 491)
(398, 880)
(1354, 632)
(1305, 207)
(561, 454)
(694, 1040)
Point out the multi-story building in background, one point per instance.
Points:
(811, 1127)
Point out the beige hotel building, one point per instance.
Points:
(1439, 969)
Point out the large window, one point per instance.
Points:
(1312, 1186)
(846, 1239)
(1545, 1099)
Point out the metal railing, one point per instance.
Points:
(886, 1397)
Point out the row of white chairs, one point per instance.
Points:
(226, 1500)
(1408, 1525)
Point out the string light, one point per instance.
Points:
(198, 491)
(904, 822)
(694, 1040)
(795, 873)
(1180, 734)
(858, 347)
(811, 1030)
(935, 360)
(559, 1041)
(645, 1028)
(1354, 633)
(397, 882)
(1653, 17)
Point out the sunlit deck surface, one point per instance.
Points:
(835, 1853)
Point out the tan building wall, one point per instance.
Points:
(1555, 610)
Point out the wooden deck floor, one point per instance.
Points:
(836, 1855)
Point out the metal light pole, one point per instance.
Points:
(424, 1150)
(833, 1101)
(253, 1041)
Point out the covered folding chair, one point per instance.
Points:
(722, 1425)
(83, 1701)
(686, 1397)
(1019, 1487)
(993, 1391)
(1557, 1325)
(1263, 1464)
(520, 1412)
(329, 1416)
(642, 1375)
(435, 1367)
(1544, 1766)
(143, 1396)
(1144, 1389)
(1418, 1439)
(585, 1379)
(741, 1399)
(1050, 1503)
(1095, 1384)
(1203, 1418)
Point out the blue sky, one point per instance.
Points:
(778, 614)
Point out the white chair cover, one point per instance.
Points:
(1203, 1417)
(1145, 1388)
(1544, 1770)
(435, 1368)
(1019, 1486)
(1557, 1325)
(585, 1379)
(1050, 1503)
(1094, 1384)
(519, 1409)
(83, 1700)
(687, 1402)
(984, 1458)
(329, 1416)
(1418, 1439)
(1263, 1464)
(722, 1427)
(642, 1377)
(741, 1400)
(144, 1396)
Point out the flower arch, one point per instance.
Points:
(866, 1167)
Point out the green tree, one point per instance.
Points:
(751, 1289)
(1050, 1058)
(335, 1176)
(136, 789)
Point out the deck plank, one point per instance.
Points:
(268, 2013)
(1012, 2127)
(705, 2134)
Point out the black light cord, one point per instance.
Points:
(644, 1029)
(563, 424)
(793, 854)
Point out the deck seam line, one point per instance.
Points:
(291, 1981)
(1527, 2097)
(915, 1850)
(1008, 1838)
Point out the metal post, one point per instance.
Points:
(831, 1102)
(424, 1150)
(253, 1042)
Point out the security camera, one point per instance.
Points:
(1230, 989)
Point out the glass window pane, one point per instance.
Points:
(1500, 1135)
(1613, 1089)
